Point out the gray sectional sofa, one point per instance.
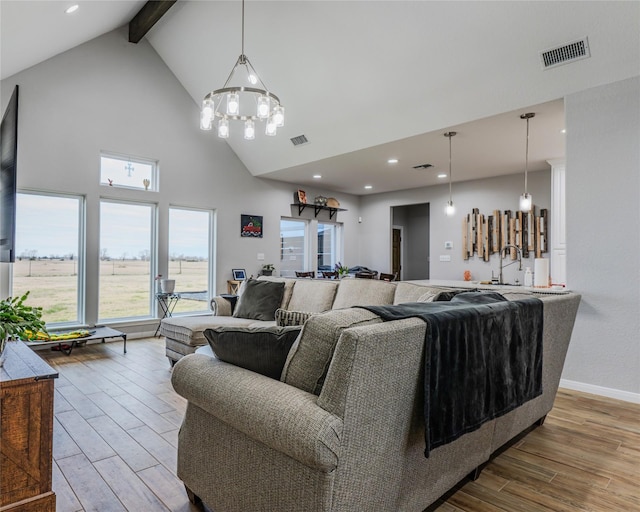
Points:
(344, 427)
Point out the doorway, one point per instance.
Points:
(410, 241)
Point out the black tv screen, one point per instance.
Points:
(9, 145)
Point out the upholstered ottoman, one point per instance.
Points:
(184, 335)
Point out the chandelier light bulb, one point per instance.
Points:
(263, 107)
(450, 209)
(278, 116)
(206, 115)
(223, 128)
(233, 104)
(270, 128)
(525, 202)
(249, 130)
(205, 121)
(252, 79)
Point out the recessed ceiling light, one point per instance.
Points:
(368, 187)
(442, 175)
(317, 176)
(392, 161)
(71, 9)
(564, 130)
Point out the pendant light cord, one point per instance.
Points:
(450, 177)
(243, 32)
(526, 159)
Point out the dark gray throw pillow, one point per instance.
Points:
(259, 300)
(478, 297)
(259, 349)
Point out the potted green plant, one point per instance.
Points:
(267, 269)
(342, 270)
(16, 318)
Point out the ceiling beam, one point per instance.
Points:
(147, 17)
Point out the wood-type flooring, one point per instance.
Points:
(117, 419)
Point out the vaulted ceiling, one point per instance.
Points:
(366, 81)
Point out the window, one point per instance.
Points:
(293, 244)
(328, 246)
(127, 260)
(50, 255)
(128, 172)
(189, 257)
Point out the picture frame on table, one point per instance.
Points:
(239, 274)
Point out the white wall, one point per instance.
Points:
(501, 193)
(603, 237)
(108, 94)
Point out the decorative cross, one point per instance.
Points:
(129, 168)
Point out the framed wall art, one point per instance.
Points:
(251, 226)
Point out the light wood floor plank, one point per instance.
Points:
(83, 434)
(115, 411)
(122, 443)
(168, 488)
(66, 500)
(131, 491)
(92, 491)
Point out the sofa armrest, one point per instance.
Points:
(221, 306)
(280, 416)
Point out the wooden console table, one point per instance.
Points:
(26, 430)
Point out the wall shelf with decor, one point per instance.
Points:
(318, 208)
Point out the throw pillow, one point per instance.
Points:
(259, 349)
(285, 317)
(478, 297)
(428, 296)
(259, 300)
(446, 295)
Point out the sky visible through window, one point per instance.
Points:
(37, 214)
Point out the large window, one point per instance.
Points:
(293, 247)
(50, 256)
(189, 257)
(299, 252)
(328, 246)
(127, 260)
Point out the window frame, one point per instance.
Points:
(155, 170)
(153, 260)
(211, 253)
(81, 259)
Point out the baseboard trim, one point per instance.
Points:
(618, 394)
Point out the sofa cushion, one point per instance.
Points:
(259, 300)
(311, 354)
(189, 329)
(312, 295)
(284, 317)
(363, 292)
(288, 288)
(259, 349)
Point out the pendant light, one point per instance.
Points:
(450, 209)
(526, 201)
(247, 103)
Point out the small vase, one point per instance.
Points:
(167, 285)
(267, 272)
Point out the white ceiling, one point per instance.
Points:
(366, 81)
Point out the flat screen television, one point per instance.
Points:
(9, 155)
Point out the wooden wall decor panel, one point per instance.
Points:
(486, 235)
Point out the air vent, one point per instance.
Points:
(299, 140)
(422, 166)
(565, 54)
